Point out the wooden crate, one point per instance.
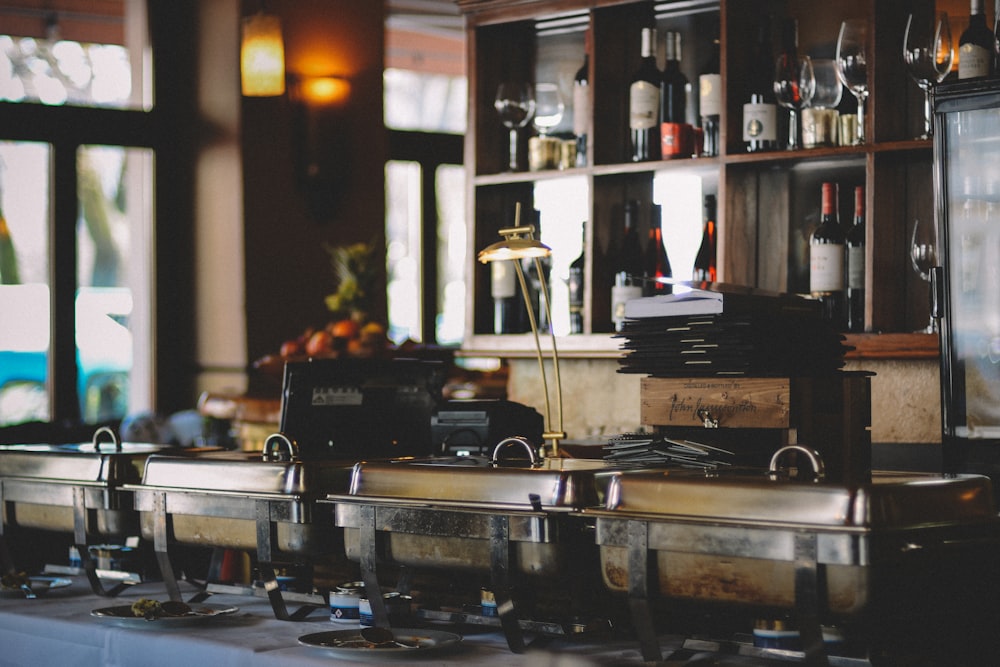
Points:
(829, 413)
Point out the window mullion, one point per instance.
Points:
(65, 404)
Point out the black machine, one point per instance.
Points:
(388, 408)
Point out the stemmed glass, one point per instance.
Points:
(819, 118)
(852, 65)
(549, 107)
(929, 58)
(515, 103)
(794, 83)
(923, 257)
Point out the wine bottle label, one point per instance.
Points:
(503, 284)
(619, 295)
(581, 109)
(856, 267)
(643, 104)
(710, 88)
(760, 122)
(973, 61)
(826, 267)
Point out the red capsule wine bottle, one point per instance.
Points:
(826, 259)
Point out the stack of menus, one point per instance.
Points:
(717, 329)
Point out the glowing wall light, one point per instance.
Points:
(262, 56)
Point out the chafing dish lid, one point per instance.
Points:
(557, 483)
(239, 472)
(77, 462)
(891, 500)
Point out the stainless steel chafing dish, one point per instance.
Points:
(77, 488)
(905, 545)
(471, 514)
(265, 504)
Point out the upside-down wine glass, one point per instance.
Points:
(928, 57)
(515, 104)
(549, 107)
(794, 83)
(852, 65)
(923, 257)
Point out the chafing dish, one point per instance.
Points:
(77, 488)
(471, 514)
(904, 546)
(266, 504)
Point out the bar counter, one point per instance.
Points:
(57, 629)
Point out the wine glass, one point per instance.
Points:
(923, 257)
(515, 103)
(852, 65)
(819, 118)
(929, 58)
(794, 83)
(549, 107)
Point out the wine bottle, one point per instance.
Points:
(704, 262)
(673, 100)
(644, 102)
(977, 45)
(656, 264)
(826, 259)
(627, 269)
(855, 243)
(575, 285)
(710, 102)
(534, 282)
(996, 36)
(581, 103)
(760, 114)
(507, 304)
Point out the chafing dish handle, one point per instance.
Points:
(515, 440)
(274, 444)
(815, 460)
(106, 430)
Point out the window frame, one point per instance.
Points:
(168, 130)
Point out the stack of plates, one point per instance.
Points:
(707, 345)
(734, 331)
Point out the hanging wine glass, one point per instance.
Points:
(549, 107)
(852, 66)
(923, 257)
(794, 84)
(515, 103)
(928, 57)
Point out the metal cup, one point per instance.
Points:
(848, 130)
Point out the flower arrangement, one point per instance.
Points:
(355, 268)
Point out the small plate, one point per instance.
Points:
(200, 613)
(349, 643)
(39, 585)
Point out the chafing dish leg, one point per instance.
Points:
(809, 591)
(80, 541)
(500, 564)
(638, 595)
(369, 567)
(267, 536)
(160, 547)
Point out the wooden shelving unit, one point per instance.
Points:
(767, 201)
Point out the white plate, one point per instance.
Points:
(349, 644)
(200, 613)
(39, 585)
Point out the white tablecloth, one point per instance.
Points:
(56, 629)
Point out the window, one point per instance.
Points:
(425, 206)
(76, 216)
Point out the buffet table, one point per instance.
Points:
(57, 629)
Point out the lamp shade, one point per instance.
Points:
(262, 56)
(514, 249)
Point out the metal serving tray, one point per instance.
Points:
(77, 488)
(823, 551)
(243, 501)
(471, 514)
